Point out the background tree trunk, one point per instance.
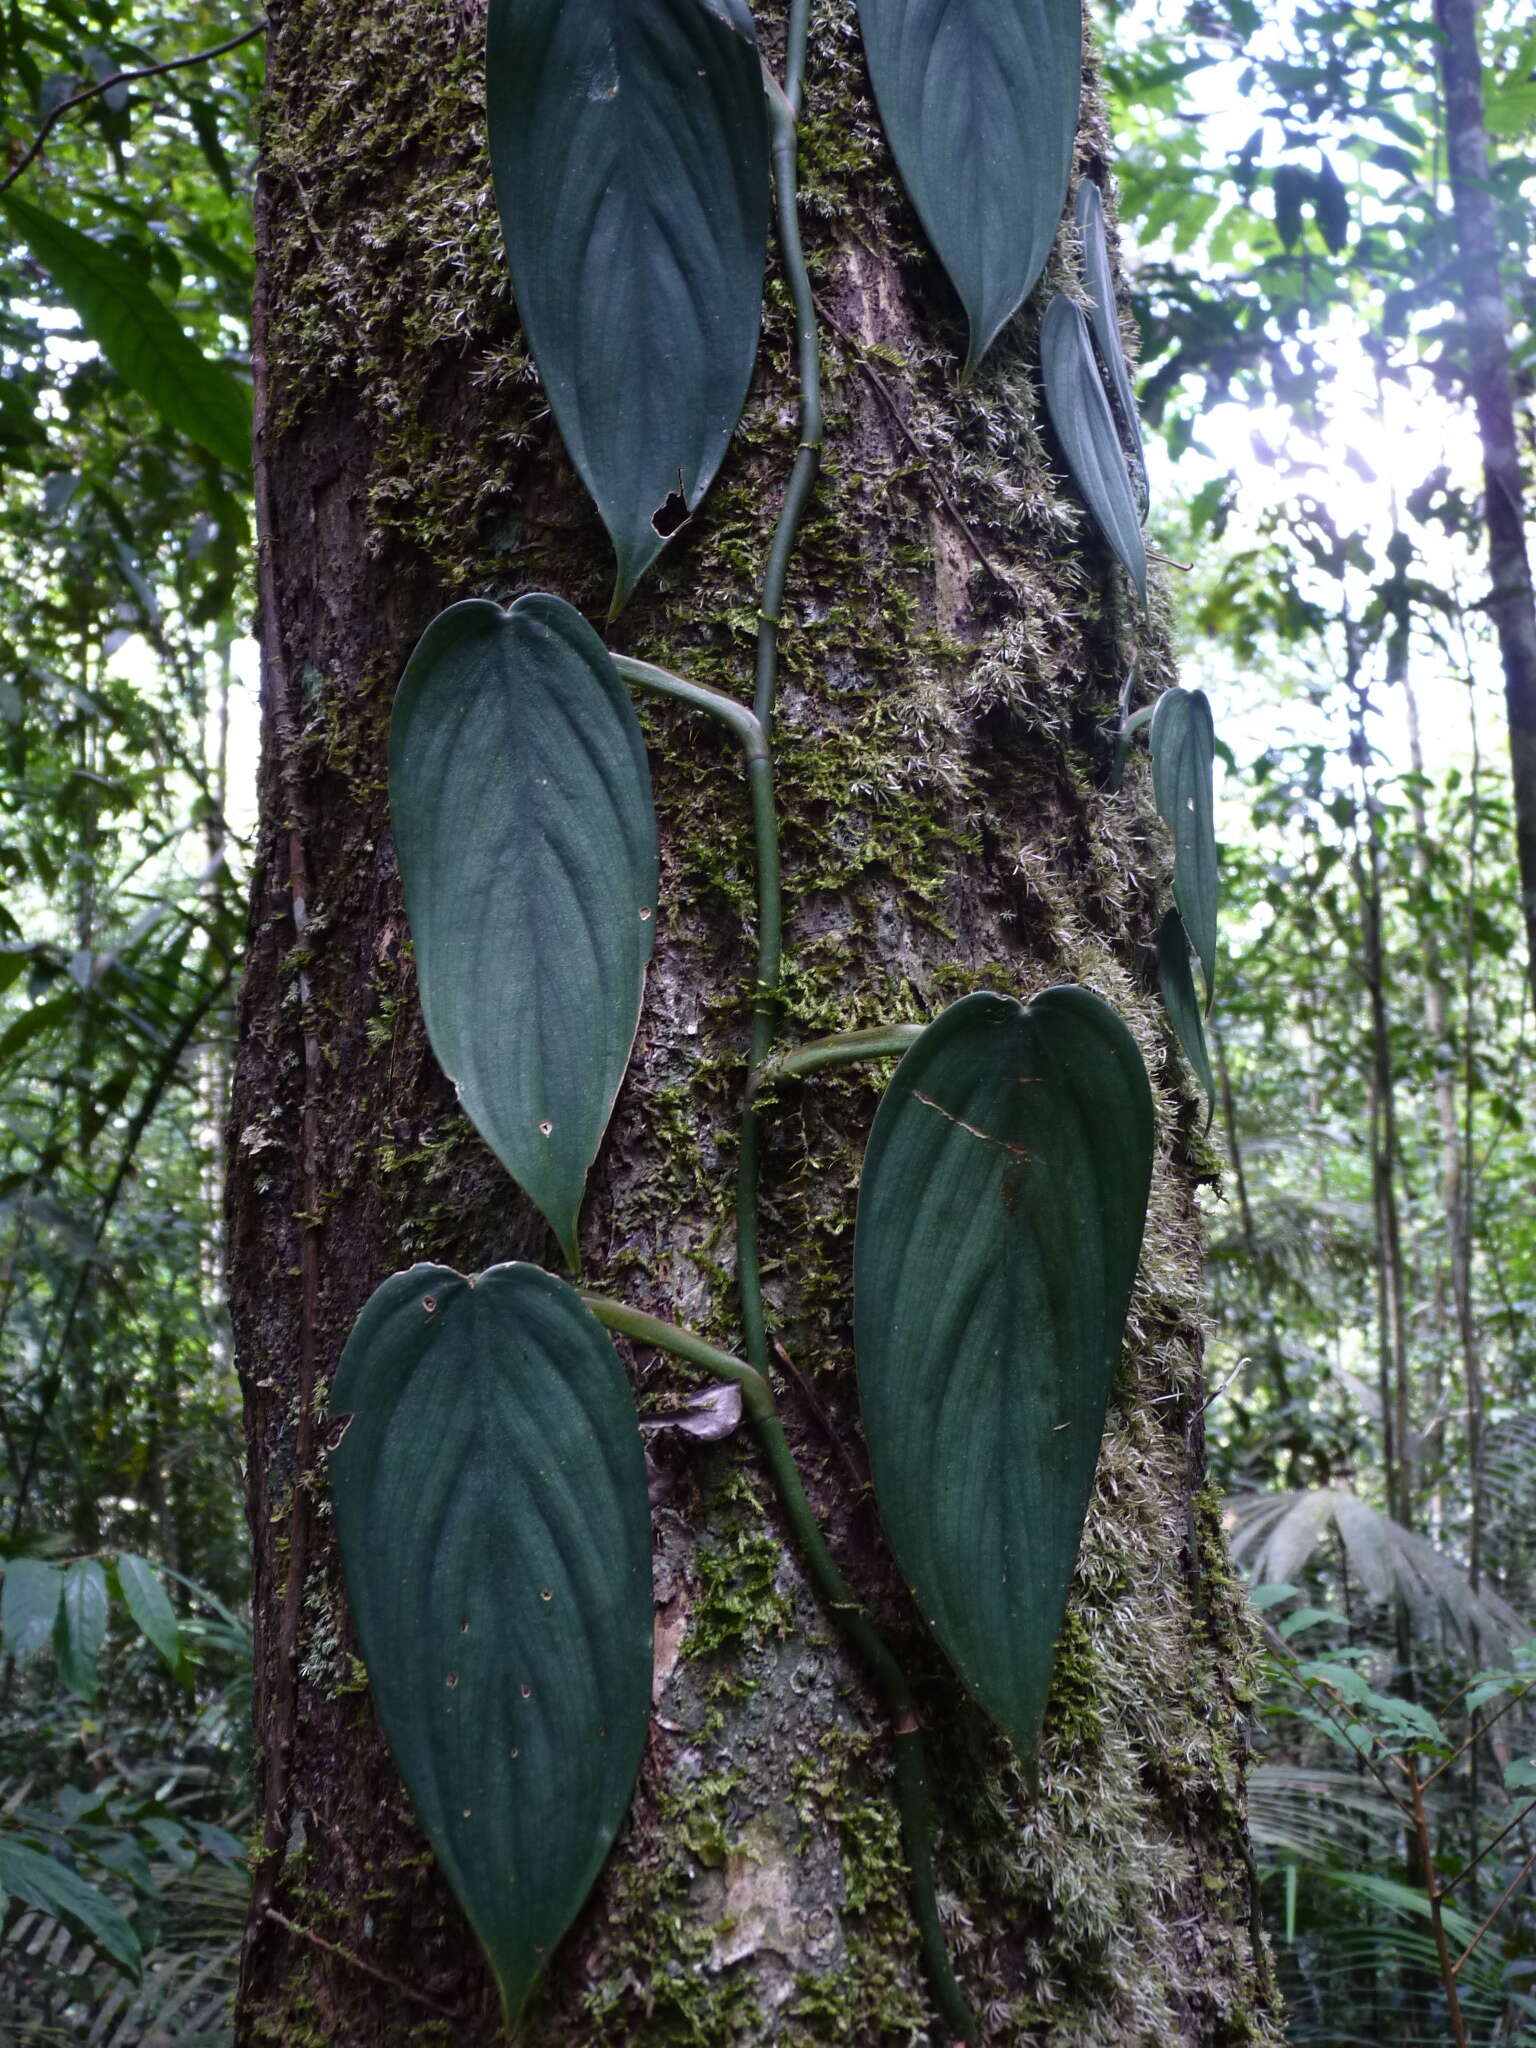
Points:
(942, 740)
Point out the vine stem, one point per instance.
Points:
(912, 1803)
(753, 728)
(842, 1049)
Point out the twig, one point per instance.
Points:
(812, 1401)
(883, 390)
(1503, 1900)
(1481, 1730)
(1523, 1815)
(91, 92)
(369, 1969)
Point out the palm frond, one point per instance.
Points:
(1276, 1535)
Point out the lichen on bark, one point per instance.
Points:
(955, 642)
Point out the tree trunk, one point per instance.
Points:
(953, 651)
(1490, 382)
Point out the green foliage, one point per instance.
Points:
(1088, 213)
(1090, 441)
(491, 1509)
(1183, 742)
(147, 347)
(1000, 1222)
(979, 102)
(630, 156)
(526, 837)
(1176, 977)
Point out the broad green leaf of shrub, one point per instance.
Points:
(979, 100)
(138, 335)
(490, 1499)
(527, 842)
(81, 1627)
(52, 1887)
(29, 1605)
(148, 1603)
(1085, 427)
(630, 153)
(999, 1228)
(1180, 1000)
(1183, 741)
(1088, 212)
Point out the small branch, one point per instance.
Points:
(1448, 1969)
(1480, 1731)
(1502, 1901)
(91, 92)
(1487, 1849)
(812, 1401)
(346, 1955)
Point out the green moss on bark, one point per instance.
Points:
(941, 746)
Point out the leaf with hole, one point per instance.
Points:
(490, 1500)
(29, 1605)
(1085, 427)
(999, 1228)
(630, 152)
(138, 335)
(1088, 212)
(979, 100)
(41, 1881)
(1183, 742)
(1176, 974)
(527, 843)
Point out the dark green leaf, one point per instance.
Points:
(1088, 211)
(142, 341)
(81, 1627)
(1176, 974)
(1331, 205)
(491, 1507)
(33, 1022)
(1183, 765)
(1085, 427)
(29, 1605)
(527, 843)
(979, 100)
(629, 147)
(1000, 1220)
(147, 1601)
(1292, 186)
(42, 1881)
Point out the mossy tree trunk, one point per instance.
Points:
(955, 644)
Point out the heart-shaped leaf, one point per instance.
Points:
(979, 100)
(490, 1500)
(630, 150)
(527, 843)
(1085, 427)
(1088, 212)
(1183, 742)
(1180, 1000)
(1000, 1221)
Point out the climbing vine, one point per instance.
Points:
(488, 1482)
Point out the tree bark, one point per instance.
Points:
(943, 733)
(1512, 601)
